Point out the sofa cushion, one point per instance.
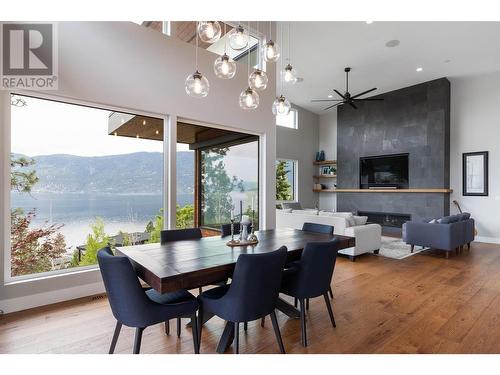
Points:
(433, 221)
(464, 216)
(292, 205)
(360, 220)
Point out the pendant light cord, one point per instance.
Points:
(248, 47)
(196, 52)
(225, 40)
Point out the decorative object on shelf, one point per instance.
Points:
(238, 38)
(245, 221)
(317, 156)
(270, 50)
(317, 186)
(196, 84)
(209, 31)
(249, 98)
(322, 155)
(289, 74)
(475, 173)
(253, 237)
(224, 66)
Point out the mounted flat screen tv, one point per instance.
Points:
(386, 171)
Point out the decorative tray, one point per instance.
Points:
(241, 243)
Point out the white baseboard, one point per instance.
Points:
(487, 239)
(47, 298)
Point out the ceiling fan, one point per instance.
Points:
(347, 98)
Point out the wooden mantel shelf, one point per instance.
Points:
(443, 191)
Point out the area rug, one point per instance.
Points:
(396, 248)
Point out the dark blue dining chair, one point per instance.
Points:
(180, 235)
(252, 294)
(172, 235)
(311, 277)
(318, 228)
(225, 229)
(137, 307)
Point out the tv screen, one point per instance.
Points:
(389, 171)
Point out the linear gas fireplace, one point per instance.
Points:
(391, 222)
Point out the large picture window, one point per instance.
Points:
(81, 178)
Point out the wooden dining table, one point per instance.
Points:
(195, 263)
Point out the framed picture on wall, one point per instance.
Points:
(475, 173)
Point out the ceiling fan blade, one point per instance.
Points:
(342, 96)
(334, 105)
(325, 100)
(363, 93)
(369, 100)
(353, 105)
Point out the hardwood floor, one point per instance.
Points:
(422, 304)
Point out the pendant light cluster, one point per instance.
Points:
(197, 85)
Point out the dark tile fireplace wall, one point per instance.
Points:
(414, 120)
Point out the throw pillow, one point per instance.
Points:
(350, 220)
(433, 221)
(360, 220)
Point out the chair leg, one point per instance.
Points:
(237, 337)
(245, 326)
(115, 337)
(412, 248)
(468, 246)
(329, 307)
(277, 333)
(447, 254)
(307, 304)
(200, 290)
(194, 329)
(179, 327)
(303, 321)
(200, 323)
(167, 327)
(330, 291)
(263, 321)
(138, 339)
(295, 302)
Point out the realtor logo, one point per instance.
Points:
(29, 56)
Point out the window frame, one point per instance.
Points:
(295, 184)
(296, 120)
(8, 279)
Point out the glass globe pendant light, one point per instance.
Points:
(258, 79)
(196, 84)
(209, 31)
(289, 75)
(224, 66)
(249, 98)
(270, 50)
(281, 106)
(238, 38)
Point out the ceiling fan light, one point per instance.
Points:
(289, 75)
(224, 67)
(258, 80)
(209, 31)
(197, 85)
(249, 99)
(238, 38)
(281, 106)
(271, 51)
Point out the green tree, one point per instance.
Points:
(185, 216)
(33, 250)
(283, 187)
(95, 241)
(156, 228)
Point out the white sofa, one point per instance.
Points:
(368, 236)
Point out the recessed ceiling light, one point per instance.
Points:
(330, 96)
(419, 69)
(392, 43)
(369, 22)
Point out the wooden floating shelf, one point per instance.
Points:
(325, 162)
(325, 190)
(326, 176)
(443, 191)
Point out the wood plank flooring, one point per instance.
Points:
(422, 304)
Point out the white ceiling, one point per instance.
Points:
(321, 50)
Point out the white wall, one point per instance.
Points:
(475, 126)
(128, 67)
(328, 143)
(301, 144)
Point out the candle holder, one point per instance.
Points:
(232, 229)
(253, 236)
